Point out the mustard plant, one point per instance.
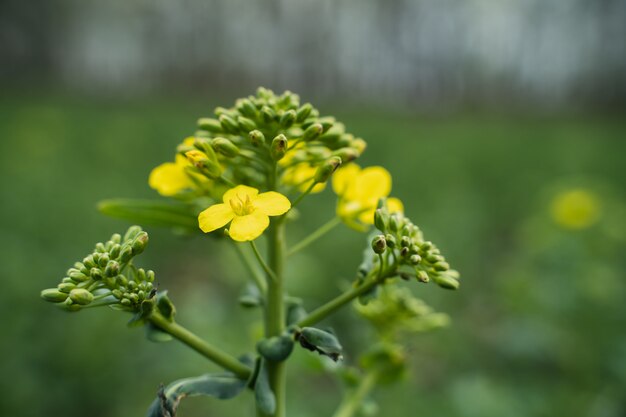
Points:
(240, 177)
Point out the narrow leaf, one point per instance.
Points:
(154, 212)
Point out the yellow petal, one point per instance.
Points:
(345, 176)
(271, 203)
(249, 227)
(367, 216)
(241, 191)
(214, 217)
(169, 179)
(394, 205)
(370, 185)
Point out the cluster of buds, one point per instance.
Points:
(107, 276)
(401, 250)
(243, 142)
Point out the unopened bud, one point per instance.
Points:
(395, 222)
(246, 107)
(287, 119)
(279, 147)
(132, 232)
(229, 124)
(126, 253)
(81, 296)
(140, 242)
(346, 154)
(53, 295)
(441, 266)
(78, 276)
(268, 114)
(359, 145)
(391, 241)
(313, 132)
(112, 269)
(303, 112)
(246, 124)
(405, 242)
(381, 219)
(325, 170)
(256, 137)
(225, 147)
(66, 287)
(426, 246)
(422, 276)
(415, 259)
(379, 245)
(96, 274)
(210, 125)
(447, 282)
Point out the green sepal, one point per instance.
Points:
(265, 398)
(145, 309)
(154, 212)
(275, 349)
(222, 386)
(165, 306)
(319, 341)
(156, 335)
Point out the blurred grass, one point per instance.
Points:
(537, 326)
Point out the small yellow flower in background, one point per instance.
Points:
(575, 209)
(359, 191)
(301, 176)
(248, 210)
(170, 178)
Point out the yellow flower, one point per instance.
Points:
(575, 209)
(301, 176)
(359, 191)
(247, 209)
(171, 178)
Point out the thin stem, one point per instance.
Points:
(270, 273)
(199, 345)
(321, 231)
(227, 181)
(304, 194)
(257, 277)
(353, 402)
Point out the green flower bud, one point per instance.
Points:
(210, 125)
(53, 295)
(404, 252)
(287, 119)
(112, 269)
(415, 259)
(225, 147)
(132, 285)
(115, 251)
(96, 274)
(346, 154)
(66, 287)
(78, 276)
(132, 232)
(276, 349)
(391, 241)
(100, 247)
(125, 302)
(116, 238)
(441, 266)
(268, 114)
(414, 249)
(140, 242)
(229, 124)
(81, 296)
(69, 280)
(122, 280)
(117, 293)
(279, 147)
(426, 246)
(150, 276)
(256, 137)
(379, 245)
(89, 262)
(303, 112)
(312, 132)
(327, 123)
(246, 124)
(405, 242)
(103, 260)
(126, 253)
(381, 219)
(422, 276)
(325, 170)
(395, 222)
(433, 259)
(447, 282)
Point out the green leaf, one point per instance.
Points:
(265, 398)
(154, 212)
(156, 335)
(165, 306)
(222, 386)
(319, 341)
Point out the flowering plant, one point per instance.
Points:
(244, 173)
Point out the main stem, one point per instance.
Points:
(352, 403)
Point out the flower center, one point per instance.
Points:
(240, 206)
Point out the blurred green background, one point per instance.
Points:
(484, 168)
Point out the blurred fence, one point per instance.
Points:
(419, 51)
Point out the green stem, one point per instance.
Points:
(321, 231)
(352, 402)
(304, 194)
(199, 345)
(257, 277)
(271, 275)
(330, 307)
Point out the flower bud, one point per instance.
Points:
(379, 245)
(132, 232)
(140, 242)
(53, 295)
(246, 124)
(422, 276)
(81, 296)
(359, 145)
(89, 262)
(103, 260)
(229, 124)
(433, 259)
(426, 246)
(246, 107)
(78, 276)
(268, 114)
(303, 112)
(115, 250)
(225, 147)
(100, 247)
(441, 266)
(287, 119)
(405, 242)
(346, 154)
(395, 222)
(210, 125)
(447, 282)
(256, 137)
(276, 349)
(313, 132)
(66, 287)
(381, 219)
(327, 123)
(415, 259)
(96, 274)
(391, 241)
(126, 253)
(325, 170)
(117, 293)
(112, 269)
(279, 147)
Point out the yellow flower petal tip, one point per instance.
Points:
(247, 211)
(170, 178)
